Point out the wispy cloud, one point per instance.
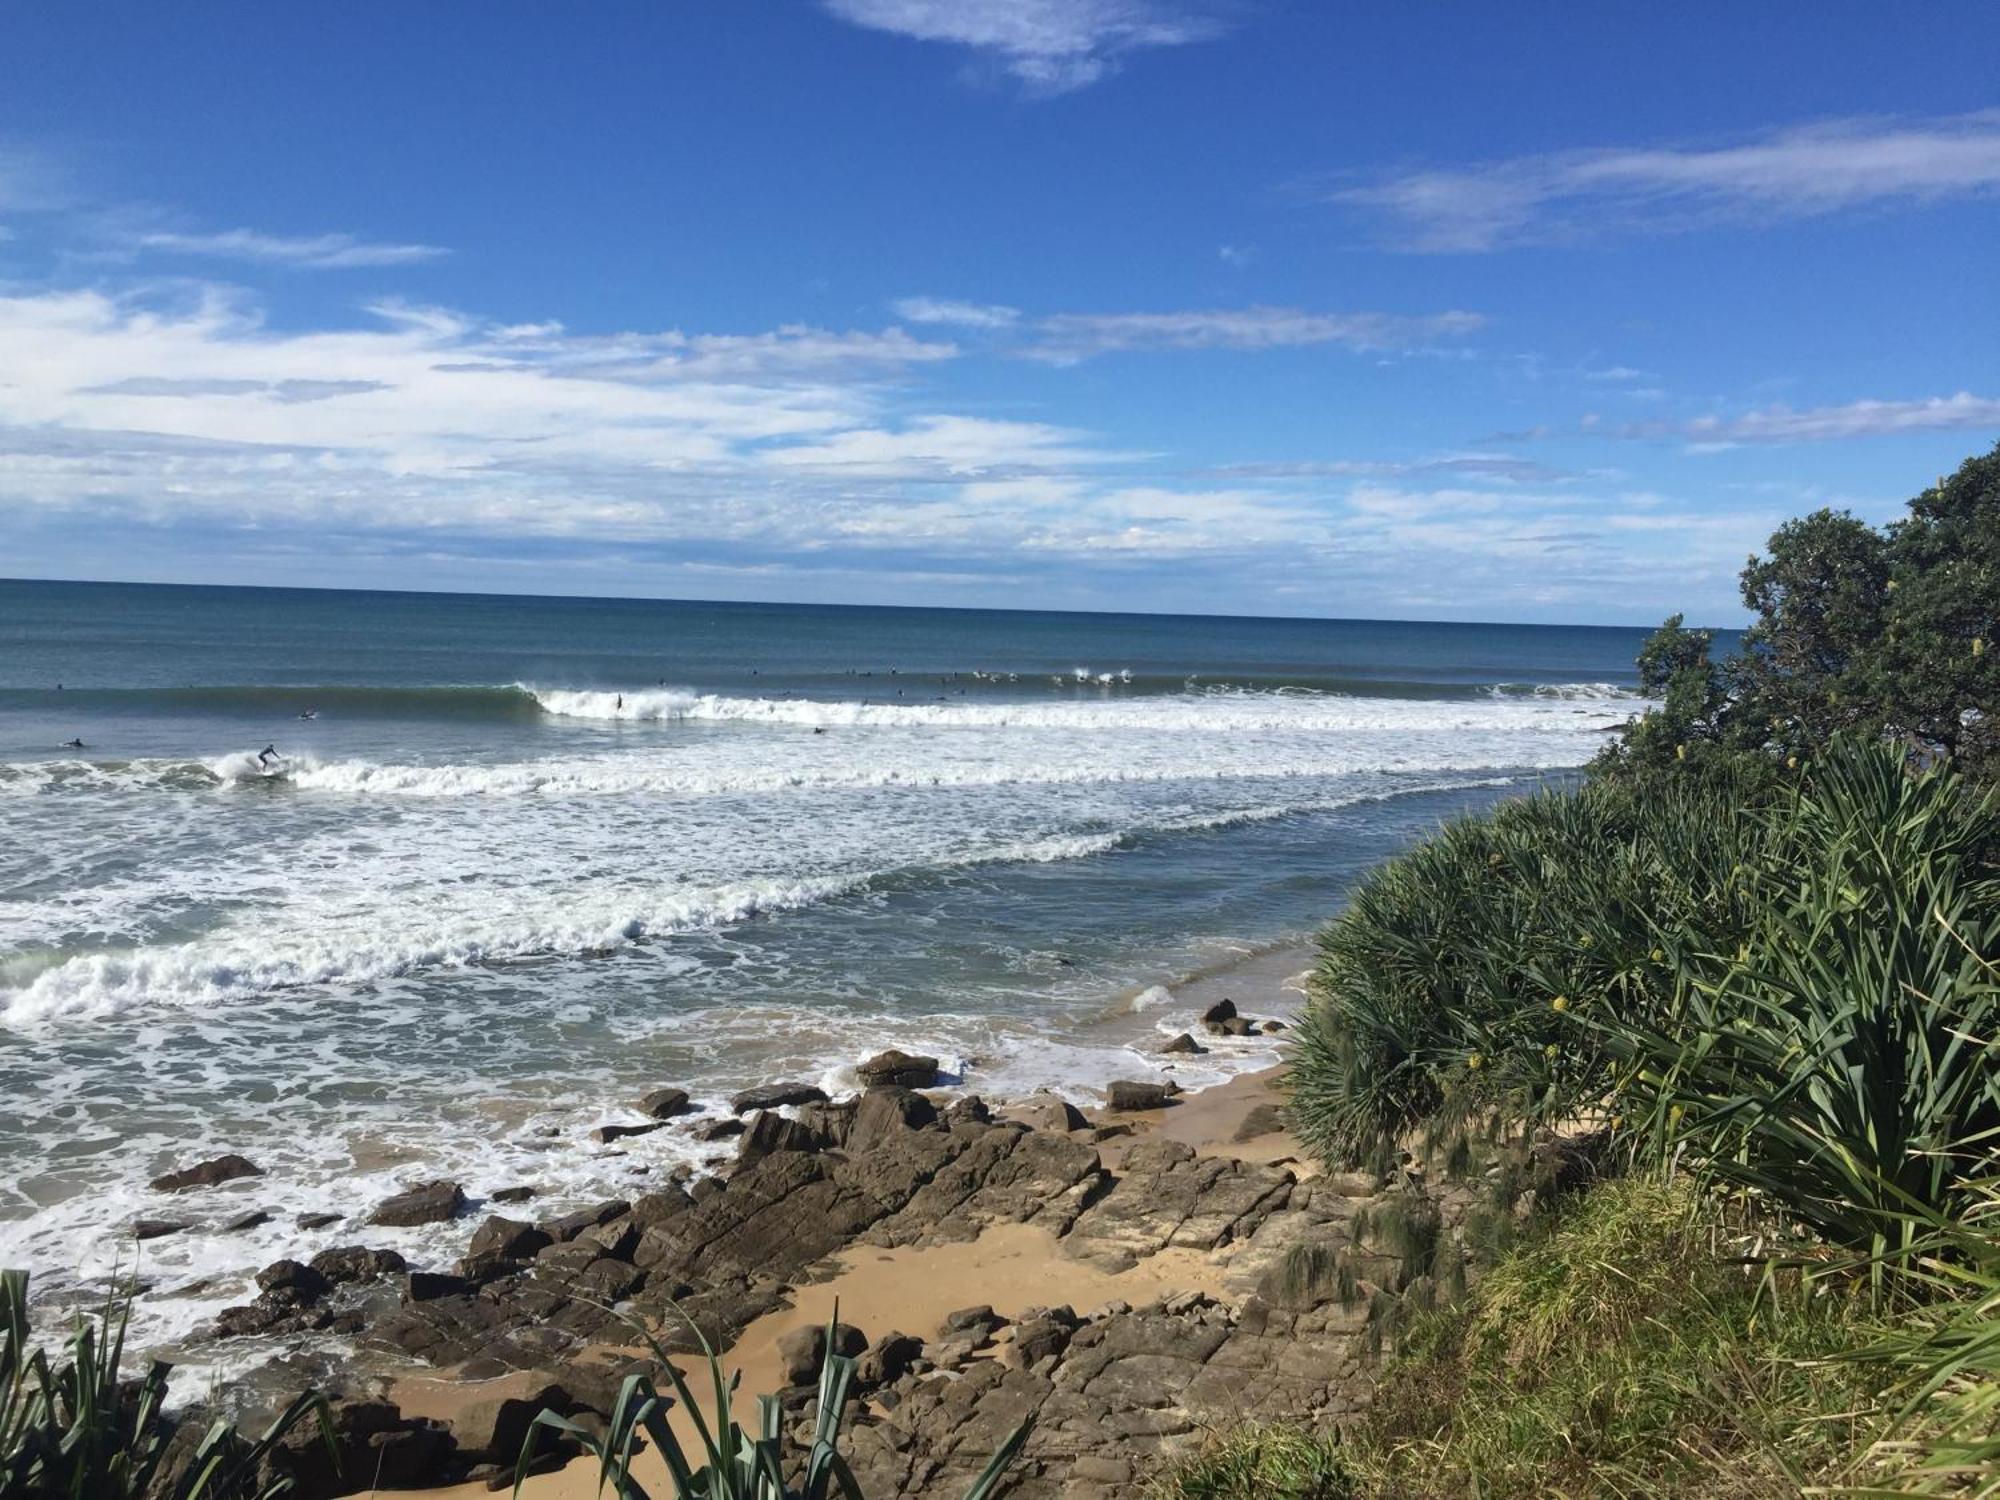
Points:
(1793, 173)
(322, 252)
(1783, 424)
(962, 314)
(1065, 338)
(1048, 46)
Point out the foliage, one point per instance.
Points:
(1621, 1351)
(1885, 632)
(1454, 981)
(1947, 1353)
(734, 1465)
(1258, 1463)
(1844, 1063)
(74, 1429)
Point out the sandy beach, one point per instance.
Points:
(1013, 1268)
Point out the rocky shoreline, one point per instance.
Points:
(1161, 1298)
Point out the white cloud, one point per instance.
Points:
(323, 252)
(963, 314)
(1786, 174)
(1783, 424)
(1049, 46)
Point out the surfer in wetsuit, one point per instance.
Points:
(268, 754)
(74, 745)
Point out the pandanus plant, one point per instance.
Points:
(72, 1428)
(733, 1464)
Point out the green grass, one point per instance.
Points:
(1620, 1350)
(1258, 1463)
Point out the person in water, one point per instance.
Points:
(74, 745)
(268, 754)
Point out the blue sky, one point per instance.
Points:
(1533, 312)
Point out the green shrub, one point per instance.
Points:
(74, 1429)
(1843, 1064)
(1453, 981)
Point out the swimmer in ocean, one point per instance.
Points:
(74, 745)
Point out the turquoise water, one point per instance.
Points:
(512, 861)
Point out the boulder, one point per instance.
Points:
(428, 1286)
(888, 1360)
(316, 1221)
(1274, 1027)
(885, 1112)
(153, 1229)
(771, 1132)
(491, 1428)
(776, 1096)
(710, 1131)
(1127, 1095)
(1216, 1014)
(979, 1322)
(606, 1134)
(1047, 1112)
(427, 1203)
(1184, 1045)
(898, 1069)
(664, 1104)
(350, 1263)
(250, 1219)
(498, 1243)
(302, 1281)
(803, 1350)
(518, 1194)
(207, 1174)
(569, 1226)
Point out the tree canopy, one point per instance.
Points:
(1885, 631)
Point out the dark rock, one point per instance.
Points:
(803, 1350)
(1263, 1120)
(569, 1226)
(1047, 1112)
(428, 1203)
(969, 1108)
(981, 1322)
(883, 1112)
(776, 1096)
(301, 1281)
(373, 1444)
(207, 1174)
(1126, 1095)
(769, 1132)
(1216, 1014)
(428, 1286)
(354, 1263)
(888, 1360)
(1274, 1027)
(153, 1229)
(247, 1220)
(898, 1069)
(492, 1428)
(520, 1194)
(1237, 1026)
(664, 1104)
(316, 1221)
(606, 1134)
(1105, 1133)
(500, 1243)
(1184, 1045)
(717, 1129)
(1035, 1339)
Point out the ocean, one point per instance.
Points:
(511, 862)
